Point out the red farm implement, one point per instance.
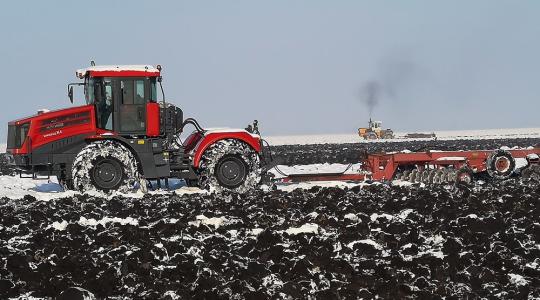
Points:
(435, 166)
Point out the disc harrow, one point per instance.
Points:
(437, 167)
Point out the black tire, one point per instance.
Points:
(500, 164)
(371, 136)
(105, 166)
(388, 135)
(229, 165)
(527, 173)
(531, 173)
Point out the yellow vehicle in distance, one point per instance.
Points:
(375, 131)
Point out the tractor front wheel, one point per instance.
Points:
(105, 166)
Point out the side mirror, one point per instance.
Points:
(70, 94)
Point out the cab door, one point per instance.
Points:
(131, 109)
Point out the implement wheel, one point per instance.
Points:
(500, 164)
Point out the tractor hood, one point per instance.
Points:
(45, 113)
(45, 127)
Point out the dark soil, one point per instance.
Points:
(377, 241)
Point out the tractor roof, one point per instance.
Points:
(119, 71)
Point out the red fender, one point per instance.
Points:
(211, 137)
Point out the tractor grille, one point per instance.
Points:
(17, 135)
(65, 121)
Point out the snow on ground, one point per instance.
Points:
(14, 187)
(441, 135)
(316, 168)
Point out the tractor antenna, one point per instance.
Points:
(92, 63)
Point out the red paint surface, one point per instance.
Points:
(380, 167)
(213, 137)
(191, 141)
(36, 138)
(152, 119)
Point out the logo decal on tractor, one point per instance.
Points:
(52, 133)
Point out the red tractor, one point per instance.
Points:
(124, 136)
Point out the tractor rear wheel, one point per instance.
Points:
(105, 166)
(371, 136)
(388, 135)
(229, 165)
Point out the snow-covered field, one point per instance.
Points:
(376, 242)
(319, 240)
(441, 135)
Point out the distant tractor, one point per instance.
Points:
(375, 131)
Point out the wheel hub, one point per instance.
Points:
(231, 171)
(502, 164)
(107, 174)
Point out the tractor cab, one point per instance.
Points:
(124, 98)
(375, 124)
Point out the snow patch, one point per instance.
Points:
(61, 226)
(306, 228)
(375, 216)
(202, 219)
(517, 279)
(256, 231)
(367, 242)
(93, 222)
(404, 213)
(351, 216)
(117, 68)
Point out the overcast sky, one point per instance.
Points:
(300, 67)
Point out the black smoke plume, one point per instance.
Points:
(392, 76)
(372, 95)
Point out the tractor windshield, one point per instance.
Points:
(92, 90)
(99, 91)
(153, 90)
